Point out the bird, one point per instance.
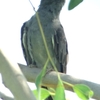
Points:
(32, 42)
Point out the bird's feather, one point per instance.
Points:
(61, 48)
(24, 44)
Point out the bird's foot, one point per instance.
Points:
(48, 71)
(32, 66)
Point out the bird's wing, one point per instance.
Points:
(24, 43)
(61, 48)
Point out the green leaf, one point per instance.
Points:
(39, 79)
(44, 93)
(40, 76)
(73, 4)
(83, 91)
(60, 94)
(38, 84)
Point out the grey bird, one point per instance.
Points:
(32, 41)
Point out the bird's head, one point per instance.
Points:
(51, 2)
(53, 5)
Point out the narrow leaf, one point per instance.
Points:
(60, 94)
(73, 4)
(39, 79)
(40, 76)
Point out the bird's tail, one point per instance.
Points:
(49, 98)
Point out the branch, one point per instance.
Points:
(11, 73)
(14, 79)
(5, 97)
(51, 80)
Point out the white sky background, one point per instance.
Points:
(82, 29)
